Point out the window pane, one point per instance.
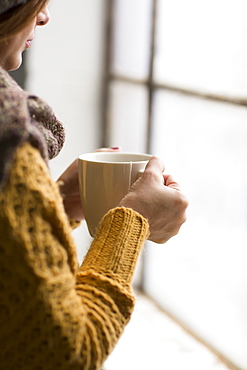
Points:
(200, 275)
(132, 23)
(203, 45)
(128, 117)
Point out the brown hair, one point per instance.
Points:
(16, 19)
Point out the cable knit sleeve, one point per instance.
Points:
(54, 315)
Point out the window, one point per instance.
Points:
(176, 86)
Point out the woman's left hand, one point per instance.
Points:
(69, 187)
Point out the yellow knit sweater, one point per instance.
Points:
(54, 315)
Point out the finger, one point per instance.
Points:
(170, 182)
(155, 164)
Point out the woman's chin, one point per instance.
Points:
(16, 66)
(13, 64)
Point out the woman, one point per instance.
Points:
(54, 314)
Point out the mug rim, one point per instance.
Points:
(87, 157)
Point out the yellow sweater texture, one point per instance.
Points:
(54, 314)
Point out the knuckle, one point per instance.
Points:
(183, 202)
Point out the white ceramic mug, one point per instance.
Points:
(105, 178)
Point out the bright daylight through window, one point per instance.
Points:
(177, 83)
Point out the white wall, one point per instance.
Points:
(65, 69)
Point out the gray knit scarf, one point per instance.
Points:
(6, 5)
(25, 117)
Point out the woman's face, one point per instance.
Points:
(11, 49)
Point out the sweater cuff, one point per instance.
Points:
(117, 243)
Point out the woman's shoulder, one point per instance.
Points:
(29, 167)
(30, 182)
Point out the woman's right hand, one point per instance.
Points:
(158, 198)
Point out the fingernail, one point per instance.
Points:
(115, 147)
